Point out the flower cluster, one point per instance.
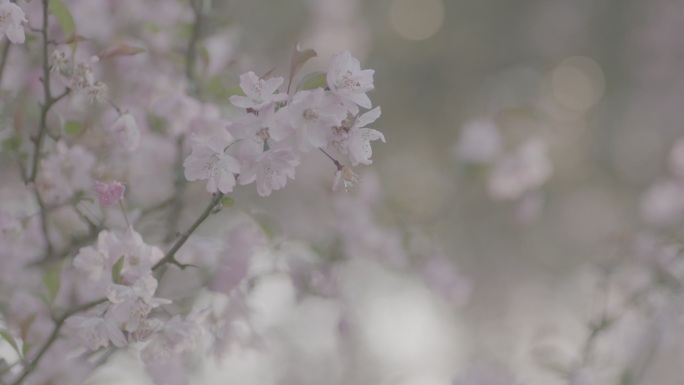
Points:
(262, 145)
(514, 173)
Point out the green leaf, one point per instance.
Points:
(227, 202)
(206, 57)
(63, 16)
(73, 127)
(299, 57)
(120, 50)
(116, 270)
(152, 27)
(52, 281)
(10, 340)
(313, 80)
(25, 349)
(12, 144)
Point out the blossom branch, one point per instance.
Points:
(54, 335)
(190, 61)
(170, 255)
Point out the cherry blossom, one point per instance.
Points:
(109, 194)
(132, 304)
(11, 18)
(65, 172)
(525, 169)
(96, 330)
(174, 337)
(347, 81)
(311, 115)
(479, 142)
(208, 161)
(125, 129)
(138, 257)
(241, 243)
(269, 169)
(259, 92)
(354, 139)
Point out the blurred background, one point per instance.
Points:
(597, 82)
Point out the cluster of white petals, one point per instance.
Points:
(276, 126)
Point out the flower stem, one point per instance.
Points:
(170, 255)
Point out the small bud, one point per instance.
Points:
(109, 194)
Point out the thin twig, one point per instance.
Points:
(54, 335)
(170, 255)
(5, 55)
(194, 89)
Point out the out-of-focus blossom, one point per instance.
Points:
(97, 330)
(11, 17)
(663, 203)
(109, 194)
(677, 158)
(479, 142)
(132, 304)
(125, 129)
(526, 169)
(65, 172)
(482, 375)
(240, 246)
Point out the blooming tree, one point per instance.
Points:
(110, 134)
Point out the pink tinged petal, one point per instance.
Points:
(269, 86)
(249, 83)
(241, 101)
(118, 293)
(247, 176)
(361, 99)
(368, 118)
(109, 194)
(115, 334)
(16, 34)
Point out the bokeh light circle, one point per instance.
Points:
(417, 19)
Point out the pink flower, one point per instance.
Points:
(97, 330)
(126, 131)
(208, 161)
(311, 114)
(270, 170)
(355, 140)
(260, 92)
(11, 17)
(241, 244)
(109, 194)
(347, 81)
